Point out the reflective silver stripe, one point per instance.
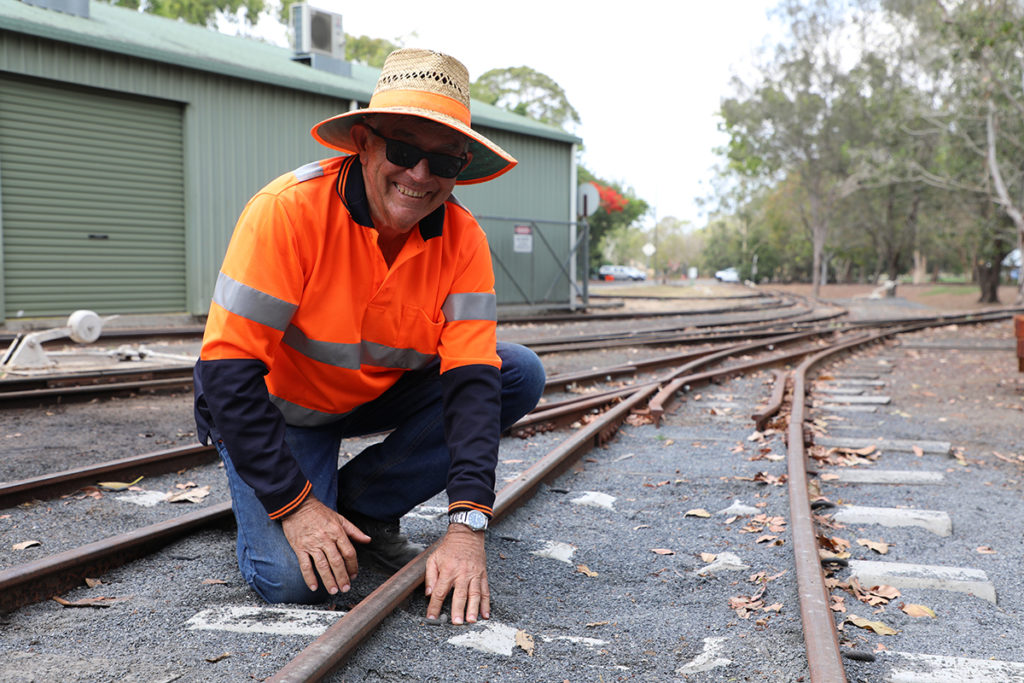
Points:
(308, 172)
(252, 304)
(332, 353)
(390, 357)
(299, 416)
(470, 306)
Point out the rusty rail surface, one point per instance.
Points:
(328, 651)
(58, 483)
(49, 576)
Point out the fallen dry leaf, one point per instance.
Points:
(592, 624)
(697, 512)
(918, 610)
(879, 547)
(117, 485)
(188, 496)
(85, 602)
(584, 569)
(876, 626)
(92, 583)
(985, 550)
(215, 582)
(524, 641)
(663, 551)
(708, 558)
(25, 544)
(214, 660)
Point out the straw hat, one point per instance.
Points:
(430, 85)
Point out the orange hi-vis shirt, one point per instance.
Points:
(305, 297)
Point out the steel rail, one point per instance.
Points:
(821, 639)
(775, 401)
(58, 483)
(49, 576)
(331, 649)
(83, 391)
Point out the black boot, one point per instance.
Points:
(388, 546)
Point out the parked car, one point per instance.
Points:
(727, 275)
(621, 273)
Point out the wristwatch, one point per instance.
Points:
(474, 519)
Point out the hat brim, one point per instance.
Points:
(489, 160)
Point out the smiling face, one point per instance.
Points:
(400, 197)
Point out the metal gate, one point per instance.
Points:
(546, 264)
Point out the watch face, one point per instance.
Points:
(476, 520)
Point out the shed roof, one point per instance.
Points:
(146, 36)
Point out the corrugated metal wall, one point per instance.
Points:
(525, 196)
(239, 134)
(93, 201)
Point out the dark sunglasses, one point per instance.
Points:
(407, 156)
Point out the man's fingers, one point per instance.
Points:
(473, 602)
(354, 533)
(308, 575)
(458, 602)
(326, 570)
(485, 599)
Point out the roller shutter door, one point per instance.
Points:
(92, 200)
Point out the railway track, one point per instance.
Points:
(597, 419)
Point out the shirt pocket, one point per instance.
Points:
(419, 329)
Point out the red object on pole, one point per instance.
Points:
(1018, 328)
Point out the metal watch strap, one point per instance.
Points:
(474, 519)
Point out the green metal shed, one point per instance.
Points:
(129, 144)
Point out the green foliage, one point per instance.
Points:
(608, 227)
(526, 92)
(368, 51)
(201, 12)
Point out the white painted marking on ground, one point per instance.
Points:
(146, 499)
(938, 669)
(872, 476)
(556, 550)
(588, 642)
(595, 499)
(494, 638)
(708, 659)
(738, 508)
(959, 579)
(935, 521)
(274, 620)
(725, 562)
(430, 512)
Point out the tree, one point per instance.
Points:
(526, 92)
(977, 117)
(791, 122)
(201, 12)
(616, 217)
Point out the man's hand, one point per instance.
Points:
(459, 565)
(322, 538)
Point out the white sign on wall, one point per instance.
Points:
(522, 240)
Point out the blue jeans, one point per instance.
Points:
(384, 481)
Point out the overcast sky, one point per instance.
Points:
(645, 76)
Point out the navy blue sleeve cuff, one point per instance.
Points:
(472, 419)
(232, 404)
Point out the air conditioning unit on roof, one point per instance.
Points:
(317, 31)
